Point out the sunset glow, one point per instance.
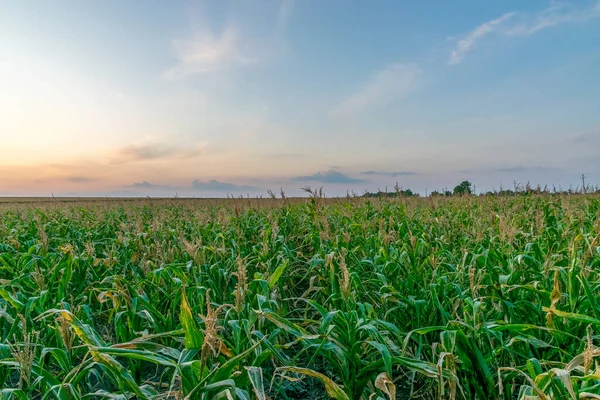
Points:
(216, 98)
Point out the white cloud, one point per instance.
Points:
(392, 83)
(207, 52)
(556, 14)
(156, 151)
(467, 43)
(238, 44)
(513, 24)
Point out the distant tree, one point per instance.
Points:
(397, 193)
(463, 188)
(436, 193)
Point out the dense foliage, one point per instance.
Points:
(466, 297)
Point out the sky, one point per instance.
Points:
(217, 98)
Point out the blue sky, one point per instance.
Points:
(226, 97)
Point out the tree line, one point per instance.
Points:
(466, 188)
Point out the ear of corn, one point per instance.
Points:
(457, 298)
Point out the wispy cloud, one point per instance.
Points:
(146, 152)
(150, 186)
(585, 138)
(523, 169)
(214, 185)
(391, 174)
(81, 179)
(196, 185)
(556, 14)
(207, 51)
(467, 43)
(524, 24)
(390, 84)
(513, 170)
(331, 176)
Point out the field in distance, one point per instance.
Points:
(468, 297)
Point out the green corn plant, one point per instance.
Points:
(484, 297)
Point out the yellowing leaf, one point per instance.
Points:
(332, 388)
(385, 384)
(193, 335)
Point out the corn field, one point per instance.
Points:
(425, 298)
